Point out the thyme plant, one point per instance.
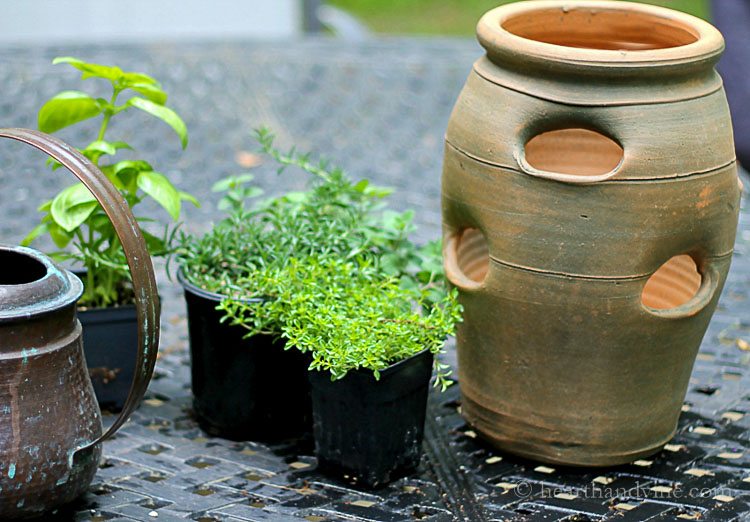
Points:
(347, 315)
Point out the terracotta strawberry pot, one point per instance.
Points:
(590, 204)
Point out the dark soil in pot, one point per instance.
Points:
(243, 389)
(371, 430)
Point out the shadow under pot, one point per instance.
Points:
(243, 388)
(370, 431)
(110, 343)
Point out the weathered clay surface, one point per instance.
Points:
(590, 204)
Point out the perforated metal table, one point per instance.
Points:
(379, 109)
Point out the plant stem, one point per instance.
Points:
(91, 263)
(88, 287)
(108, 113)
(103, 128)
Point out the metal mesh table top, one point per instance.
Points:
(379, 109)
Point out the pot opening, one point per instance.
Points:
(472, 255)
(675, 283)
(607, 29)
(577, 152)
(19, 269)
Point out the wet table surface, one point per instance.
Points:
(379, 109)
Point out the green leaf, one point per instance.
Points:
(136, 78)
(155, 244)
(127, 171)
(101, 223)
(189, 197)
(165, 114)
(150, 91)
(231, 182)
(37, 231)
(65, 109)
(297, 197)
(407, 217)
(44, 207)
(73, 206)
(379, 192)
(390, 264)
(102, 147)
(107, 147)
(59, 257)
(73, 217)
(252, 192)
(409, 284)
(226, 204)
(161, 189)
(108, 171)
(91, 70)
(59, 236)
(361, 186)
(137, 165)
(54, 163)
(73, 195)
(95, 149)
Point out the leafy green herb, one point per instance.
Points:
(74, 216)
(329, 255)
(347, 314)
(335, 217)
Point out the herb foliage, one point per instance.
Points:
(333, 254)
(346, 314)
(74, 216)
(336, 217)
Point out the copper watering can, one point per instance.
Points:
(50, 423)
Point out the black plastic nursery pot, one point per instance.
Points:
(110, 343)
(243, 388)
(370, 431)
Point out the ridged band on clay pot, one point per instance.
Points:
(590, 204)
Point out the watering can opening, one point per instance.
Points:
(31, 285)
(17, 268)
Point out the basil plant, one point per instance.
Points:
(73, 218)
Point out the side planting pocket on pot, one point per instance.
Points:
(571, 155)
(683, 286)
(466, 258)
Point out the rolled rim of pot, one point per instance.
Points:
(207, 294)
(598, 37)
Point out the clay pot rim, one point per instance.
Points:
(504, 47)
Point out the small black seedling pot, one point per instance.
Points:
(371, 430)
(243, 389)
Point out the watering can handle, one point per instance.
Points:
(136, 252)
